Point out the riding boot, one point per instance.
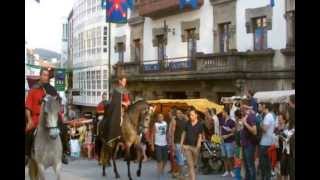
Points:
(64, 141)
(28, 145)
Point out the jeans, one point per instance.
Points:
(265, 163)
(248, 154)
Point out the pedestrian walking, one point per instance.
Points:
(159, 144)
(227, 131)
(177, 127)
(268, 125)
(191, 142)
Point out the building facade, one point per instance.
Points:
(221, 48)
(87, 51)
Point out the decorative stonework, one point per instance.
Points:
(258, 12)
(186, 25)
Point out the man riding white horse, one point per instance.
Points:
(33, 106)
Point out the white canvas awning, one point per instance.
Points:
(274, 96)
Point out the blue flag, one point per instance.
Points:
(271, 3)
(193, 3)
(117, 10)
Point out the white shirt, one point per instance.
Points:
(161, 133)
(267, 138)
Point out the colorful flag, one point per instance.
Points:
(117, 10)
(184, 3)
(271, 3)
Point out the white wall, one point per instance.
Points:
(276, 36)
(175, 47)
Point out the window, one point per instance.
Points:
(88, 80)
(121, 51)
(104, 49)
(260, 33)
(137, 50)
(192, 42)
(105, 79)
(98, 79)
(161, 47)
(93, 78)
(224, 37)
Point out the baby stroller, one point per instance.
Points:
(211, 156)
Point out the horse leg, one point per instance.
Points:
(141, 157)
(41, 171)
(57, 170)
(33, 170)
(129, 174)
(102, 161)
(103, 170)
(114, 162)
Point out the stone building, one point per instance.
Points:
(221, 48)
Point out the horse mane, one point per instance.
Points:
(132, 107)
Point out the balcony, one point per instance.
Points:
(161, 8)
(231, 65)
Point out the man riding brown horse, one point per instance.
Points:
(33, 106)
(120, 94)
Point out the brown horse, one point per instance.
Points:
(135, 120)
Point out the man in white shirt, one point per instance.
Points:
(267, 127)
(159, 144)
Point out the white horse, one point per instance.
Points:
(47, 143)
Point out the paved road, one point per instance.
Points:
(89, 170)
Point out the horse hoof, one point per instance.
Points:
(103, 174)
(117, 176)
(138, 173)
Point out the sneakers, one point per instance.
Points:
(232, 174)
(225, 174)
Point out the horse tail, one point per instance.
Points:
(33, 170)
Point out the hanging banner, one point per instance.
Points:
(60, 79)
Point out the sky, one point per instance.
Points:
(43, 23)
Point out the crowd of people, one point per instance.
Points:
(256, 140)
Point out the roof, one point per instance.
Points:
(274, 96)
(199, 104)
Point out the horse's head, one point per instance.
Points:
(50, 114)
(146, 115)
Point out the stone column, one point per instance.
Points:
(290, 29)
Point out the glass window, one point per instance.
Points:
(98, 79)
(93, 78)
(121, 52)
(88, 80)
(161, 47)
(260, 33)
(192, 42)
(137, 50)
(224, 37)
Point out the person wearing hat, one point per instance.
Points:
(33, 108)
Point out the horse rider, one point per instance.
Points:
(125, 99)
(122, 83)
(33, 108)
